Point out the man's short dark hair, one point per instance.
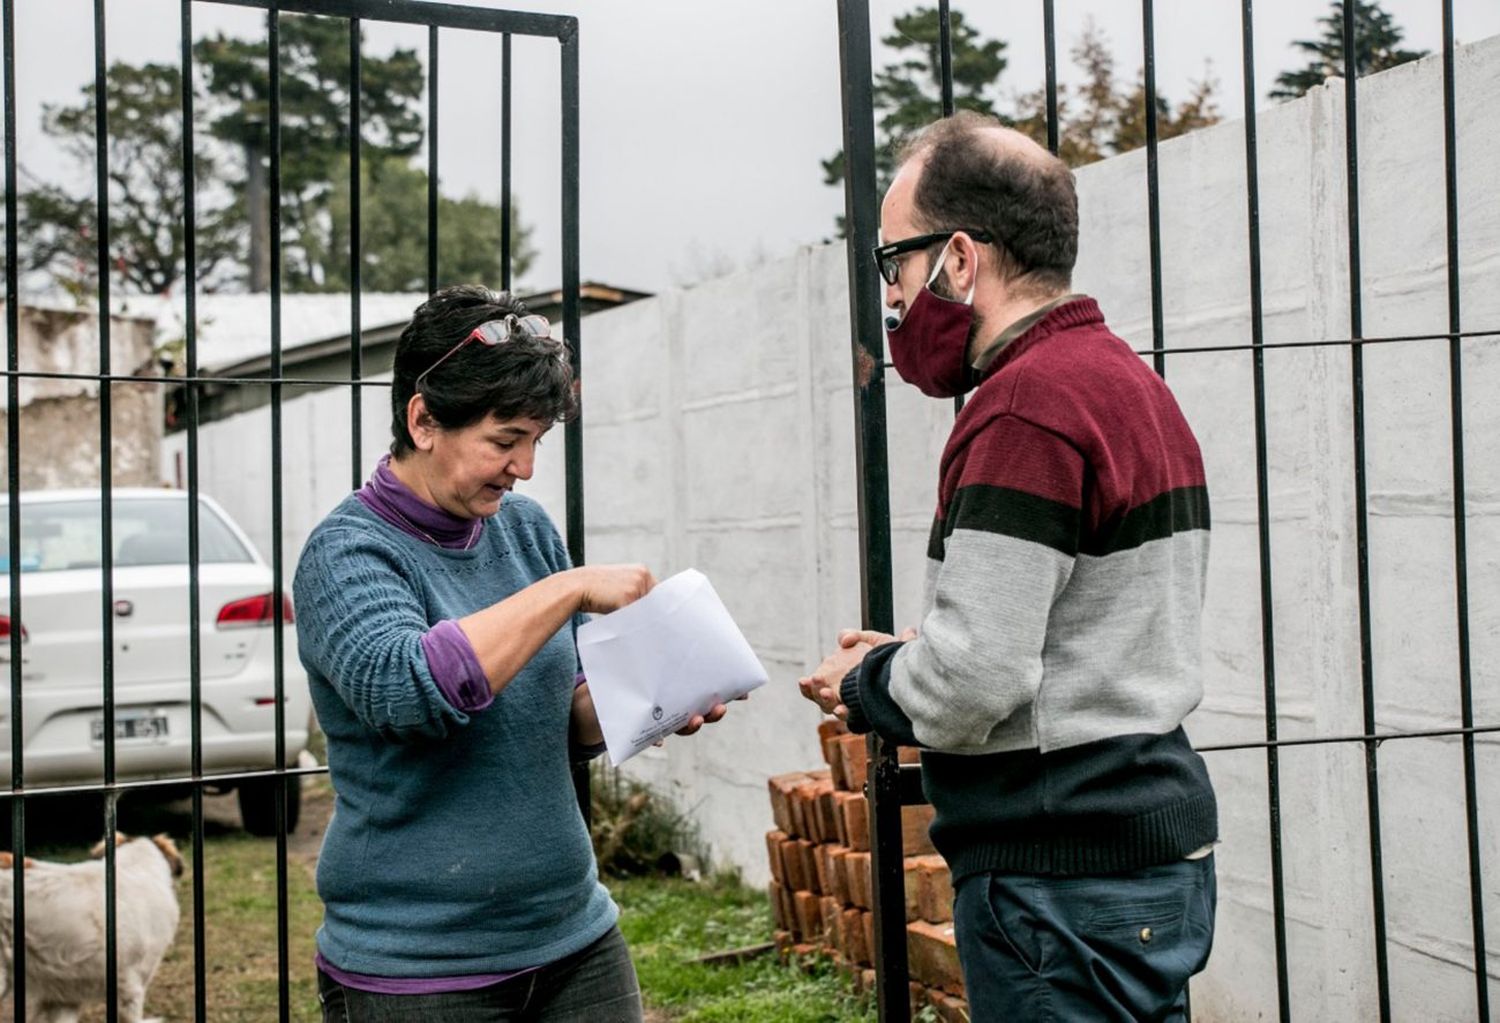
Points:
(523, 378)
(1027, 202)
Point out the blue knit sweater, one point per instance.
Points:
(456, 845)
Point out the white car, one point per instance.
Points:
(62, 647)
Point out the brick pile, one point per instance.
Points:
(821, 891)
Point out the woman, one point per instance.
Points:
(435, 615)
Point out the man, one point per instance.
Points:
(1059, 652)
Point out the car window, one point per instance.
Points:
(61, 535)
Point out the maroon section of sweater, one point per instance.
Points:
(1091, 428)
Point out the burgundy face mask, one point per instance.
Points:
(930, 346)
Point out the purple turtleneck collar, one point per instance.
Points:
(396, 503)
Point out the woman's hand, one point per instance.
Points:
(605, 588)
(697, 721)
(508, 634)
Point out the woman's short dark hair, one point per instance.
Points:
(524, 378)
(1026, 201)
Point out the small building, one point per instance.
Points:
(59, 428)
(234, 343)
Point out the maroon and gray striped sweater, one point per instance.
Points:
(1060, 648)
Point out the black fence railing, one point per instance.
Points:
(436, 18)
(891, 785)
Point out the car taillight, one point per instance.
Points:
(252, 611)
(5, 630)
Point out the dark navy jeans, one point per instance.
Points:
(596, 985)
(1035, 949)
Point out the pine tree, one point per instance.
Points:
(1377, 47)
(908, 93)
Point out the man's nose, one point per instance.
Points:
(893, 295)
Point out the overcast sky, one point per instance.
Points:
(703, 120)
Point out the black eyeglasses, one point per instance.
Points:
(888, 257)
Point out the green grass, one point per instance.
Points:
(240, 938)
(668, 923)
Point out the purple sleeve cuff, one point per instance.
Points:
(455, 667)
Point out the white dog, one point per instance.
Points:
(65, 931)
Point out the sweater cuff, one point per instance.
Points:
(455, 667)
(579, 754)
(866, 691)
(849, 697)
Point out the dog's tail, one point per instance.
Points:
(98, 850)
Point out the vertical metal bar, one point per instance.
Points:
(1263, 513)
(1153, 195)
(572, 323)
(572, 312)
(864, 297)
(1361, 509)
(868, 350)
(13, 513)
(505, 218)
(945, 75)
(432, 158)
(1049, 36)
(945, 65)
(945, 56)
(356, 260)
(106, 515)
(195, 610)
(888, 876)
(1460, 522)
(278, 582)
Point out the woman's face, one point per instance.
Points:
(470, 470)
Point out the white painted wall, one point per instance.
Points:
(720, 435)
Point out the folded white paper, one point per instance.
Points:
(654, 664)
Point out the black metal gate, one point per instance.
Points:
(435, 17)
(891, 785)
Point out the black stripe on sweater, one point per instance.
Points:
(1013, 513)
(1176, 511)
(1108, 806)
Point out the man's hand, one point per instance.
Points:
(822, 686)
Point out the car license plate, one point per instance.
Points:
(137, 727)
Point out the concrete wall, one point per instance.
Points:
(59, 428)
(720, 436)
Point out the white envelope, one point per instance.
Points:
(655, 663)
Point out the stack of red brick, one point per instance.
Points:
(821, 891)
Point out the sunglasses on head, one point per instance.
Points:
(496, 332)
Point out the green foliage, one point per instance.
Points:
(908, 92)
(635, 830)
(669, 923)
(393, 198)
(59, 232)
(1099, 118)
(1377, 48)
(1102, 117)
(232, 97)
(315, 103)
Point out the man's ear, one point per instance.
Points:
(419, 423)
(966, 266)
